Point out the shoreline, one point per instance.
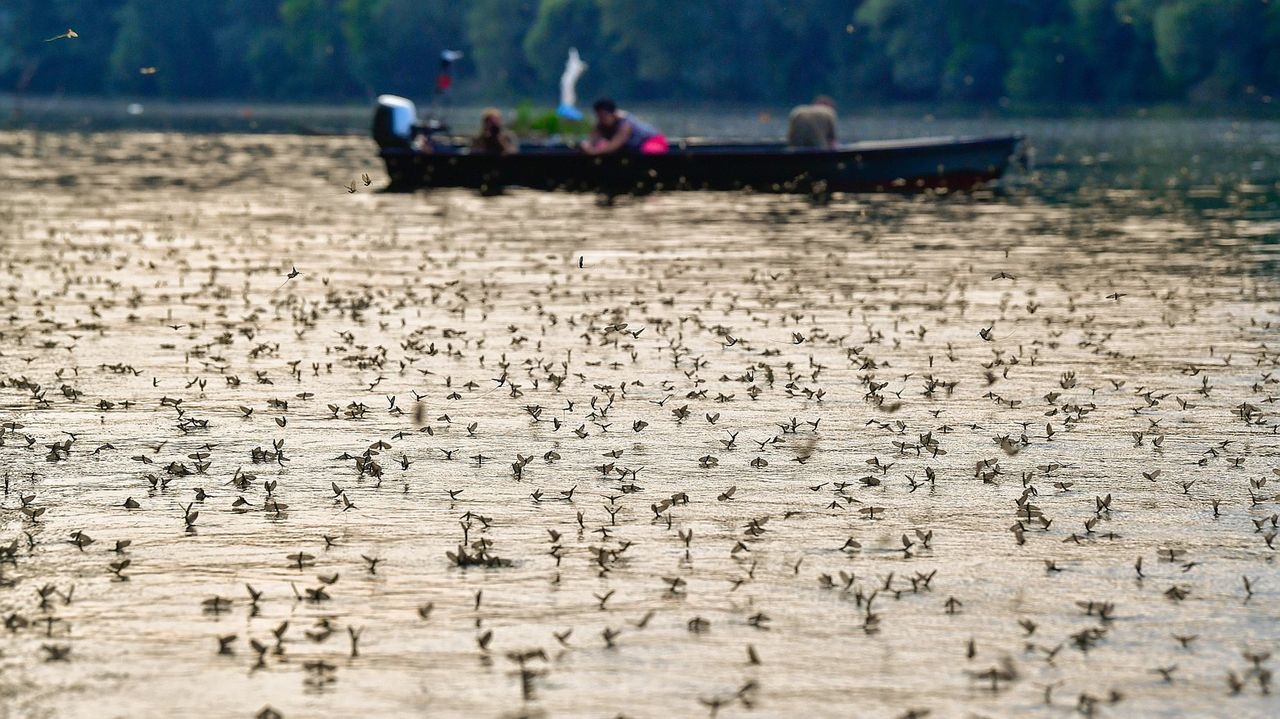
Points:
(72, 113)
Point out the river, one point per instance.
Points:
(1008, 453)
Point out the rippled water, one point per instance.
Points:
(897, 353)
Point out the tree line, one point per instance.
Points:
(748, 51)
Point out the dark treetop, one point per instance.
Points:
(776, 51)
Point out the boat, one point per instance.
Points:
(913, 165)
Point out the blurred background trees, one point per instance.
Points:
(762, 51)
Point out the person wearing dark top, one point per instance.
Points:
(617, 131)
(494, 138)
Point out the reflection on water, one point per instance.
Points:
(725, 453)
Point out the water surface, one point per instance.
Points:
(845, 401)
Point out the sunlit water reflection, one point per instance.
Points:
(148, 319)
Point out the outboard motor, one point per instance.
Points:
(393, 122)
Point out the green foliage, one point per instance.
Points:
(395, 44)
(1048, 65)
(176, 35)
(249, 44)
(915, 42)
(562, 24)
(313, 46)
(1214, 48)
(495, 31)
(27, 62)
(530, 122)
(761, 51)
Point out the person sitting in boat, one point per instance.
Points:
(493, 138)
(617, 131)
(813, 125)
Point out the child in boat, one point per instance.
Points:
(617, 131)
(494, 138)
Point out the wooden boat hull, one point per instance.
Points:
(887, 166)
